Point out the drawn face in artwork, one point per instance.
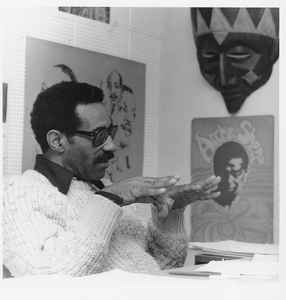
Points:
(114, 87)
(233, 57)
(57, 74)
(231, 163)
(124, 116)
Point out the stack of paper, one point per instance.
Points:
(238, 268)
(234, 248)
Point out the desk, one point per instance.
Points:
(129, 286)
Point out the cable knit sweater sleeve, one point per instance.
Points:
(167, 240)
(44, 233)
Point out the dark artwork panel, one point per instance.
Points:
(123, 83)
(240, 150)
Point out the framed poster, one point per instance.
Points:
(101, 14)
(122, 80)
(240, 150)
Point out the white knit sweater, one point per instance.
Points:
(47, 232)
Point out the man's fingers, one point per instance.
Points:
(163, 211)
(188, 188)
(147, 186)
(216, 181)
(216, 194)
(131, 189)
(209, 196)
(151, 191)
(160, 182)
(209, 181)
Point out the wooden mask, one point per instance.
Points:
(236, 49)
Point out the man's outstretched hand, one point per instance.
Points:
(163, 193)
(179, 196)
(143, 188)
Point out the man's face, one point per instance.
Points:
(114, 89)
(124, 116)
(80, 156)
(233, 177)
(237, 67)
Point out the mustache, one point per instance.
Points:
(105, 156)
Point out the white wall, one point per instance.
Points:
(185, 95)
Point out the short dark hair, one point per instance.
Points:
(55, 108)
(226, 152)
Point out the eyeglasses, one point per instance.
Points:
(99, 136)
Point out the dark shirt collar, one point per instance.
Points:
(58, 176)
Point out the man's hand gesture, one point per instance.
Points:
(141, 189)
(179, 196)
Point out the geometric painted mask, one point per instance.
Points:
(236, 49)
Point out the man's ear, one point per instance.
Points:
(56, 140)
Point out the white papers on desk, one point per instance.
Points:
(231, 247)
(238, 267)
(265, 258)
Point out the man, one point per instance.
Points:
(230, 162)
(114, 89)
(60, 219)
(236, 49)
(124, 116)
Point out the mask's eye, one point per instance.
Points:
(209, 52)
(239, 53)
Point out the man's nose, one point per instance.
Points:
(232, 180)
(113, 89)
(109, 145)
(127, 119)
